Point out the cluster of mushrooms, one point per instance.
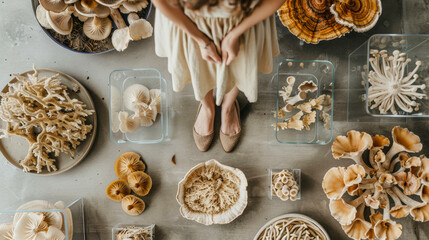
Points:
(284, 185)
(390, 183)
(212, 193)
(130, 170)
(315, 20)
(39, 225)
(57, 15)
(135, 233)
(145, 103)
(306, 114)
(41, 110)
(390, 87)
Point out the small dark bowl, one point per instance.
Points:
(145, 15)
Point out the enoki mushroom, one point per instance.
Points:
(292, 229)
(135, 233)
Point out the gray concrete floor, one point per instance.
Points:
(23, 44)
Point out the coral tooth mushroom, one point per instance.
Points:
(371, 184)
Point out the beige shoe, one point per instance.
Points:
(203, 142)
(229, 142)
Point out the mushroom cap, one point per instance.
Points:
(388, 229)
(311, 20)
(352, 145)
(420, 212)
(90, 4)
(380, 141)
(97, 28)
(70, 1)
(354, 174)
(333, 183)
(128, 123)
(52, 218)
(110, 3)
(361, 15)
(140, 183)
(61, 22)
(343, 212)
(408, 182)
(98, 11)
(121, 38)
(53, 5)
(409, 141)
(354, 190)
(140, 29)
(400, 211)
(128, 163)
(41, 17)
(424, 196)
(358, 229)
(307, 86)
(155, 99)
(54, 233)
(30, 226)
(132, 205)
(424, 168)
(146, 114)
(117, 190)
(135, 5)
(212, 193)
(135, 94)
(6, 231)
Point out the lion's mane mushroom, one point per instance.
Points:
(361, 15)
(389, 87)
(379, 181)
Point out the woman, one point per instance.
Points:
(217, 44)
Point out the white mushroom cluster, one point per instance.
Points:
(390, 183)
(389, 87)
(144, 103)
(307, 111)
(41, 111)
(39, 225)
(284, 185)
(134, 233)
(292, 229)
(57, 15)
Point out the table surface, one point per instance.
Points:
(23, 43)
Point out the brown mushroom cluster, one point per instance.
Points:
(129, 168)
(315, 20)
(306, 114)
(97, 16)
(41, 110)
(390, 183)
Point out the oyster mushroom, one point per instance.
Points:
(309, 119)
(374, 218)
(408, 182)
(378, 143)
(403, 140)
(134, 94)
(399, 210)
(361, 15)
(128, 124)
(333, 183)
(41, 17)
(132, 205)
(97, 28)
(117, 190)
(354, 175)
(146, 114)
(61, 22)
(155, 99)
(419, 210)
(91, 8)
(359, 228)
(52, 218)
(140, 183)
(128, 163)
(345, 212)
(54, 233)
(352, 147)
(110, 3)
(424, 194)
(53, 5)
(139, 28)
(387, 229)
(6, 231)
(135, 5)
(326, 118)
(295, 122)
(402, 157)
(30, 226)
(307, 86)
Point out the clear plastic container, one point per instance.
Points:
(76, 228)
(322, 74)
(296, 173)
(120, 80)
(120, 227)
(414, 46)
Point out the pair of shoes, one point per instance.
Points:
(230, 141)
(203, 142)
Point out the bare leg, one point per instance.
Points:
(205, 121)
(230, 122)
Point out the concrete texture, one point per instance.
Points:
(23, 44)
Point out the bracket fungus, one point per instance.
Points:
(212, 193)
(361, 15)
(390, 87)
(390, 185)
(50, 120)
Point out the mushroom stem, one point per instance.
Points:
(395, 149)
(408, 201)
(386, 211)
(393, 163)
(371, 158)
(117, 18)
(394, 197)
(358, 160)
(367, 186)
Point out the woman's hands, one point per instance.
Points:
(230, 47)
(209, 52)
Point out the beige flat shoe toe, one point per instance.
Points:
(230, 141)
(203, 142)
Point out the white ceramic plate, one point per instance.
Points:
(292, 215)
(15, 148)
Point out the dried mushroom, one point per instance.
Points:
(117, 190)
(284, 185)
(134, 233)
(128, 163)
(60, 120)
(395, 175)
(140, 183)
(212, 193)
(6, 231)
(132, 205)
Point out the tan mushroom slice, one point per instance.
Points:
(117, 190)
(61, 22)
(128, 163)
(139, 28)
(135, 5)
(333, 183)
(97, 28)
(140, 183)
(110, 3)
(403, 140)
(132, 205)
(53, 5)
(97, 10)
(6, 231)
(41, 17)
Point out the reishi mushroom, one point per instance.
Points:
(361, 15)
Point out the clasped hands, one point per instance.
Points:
(229, 50)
